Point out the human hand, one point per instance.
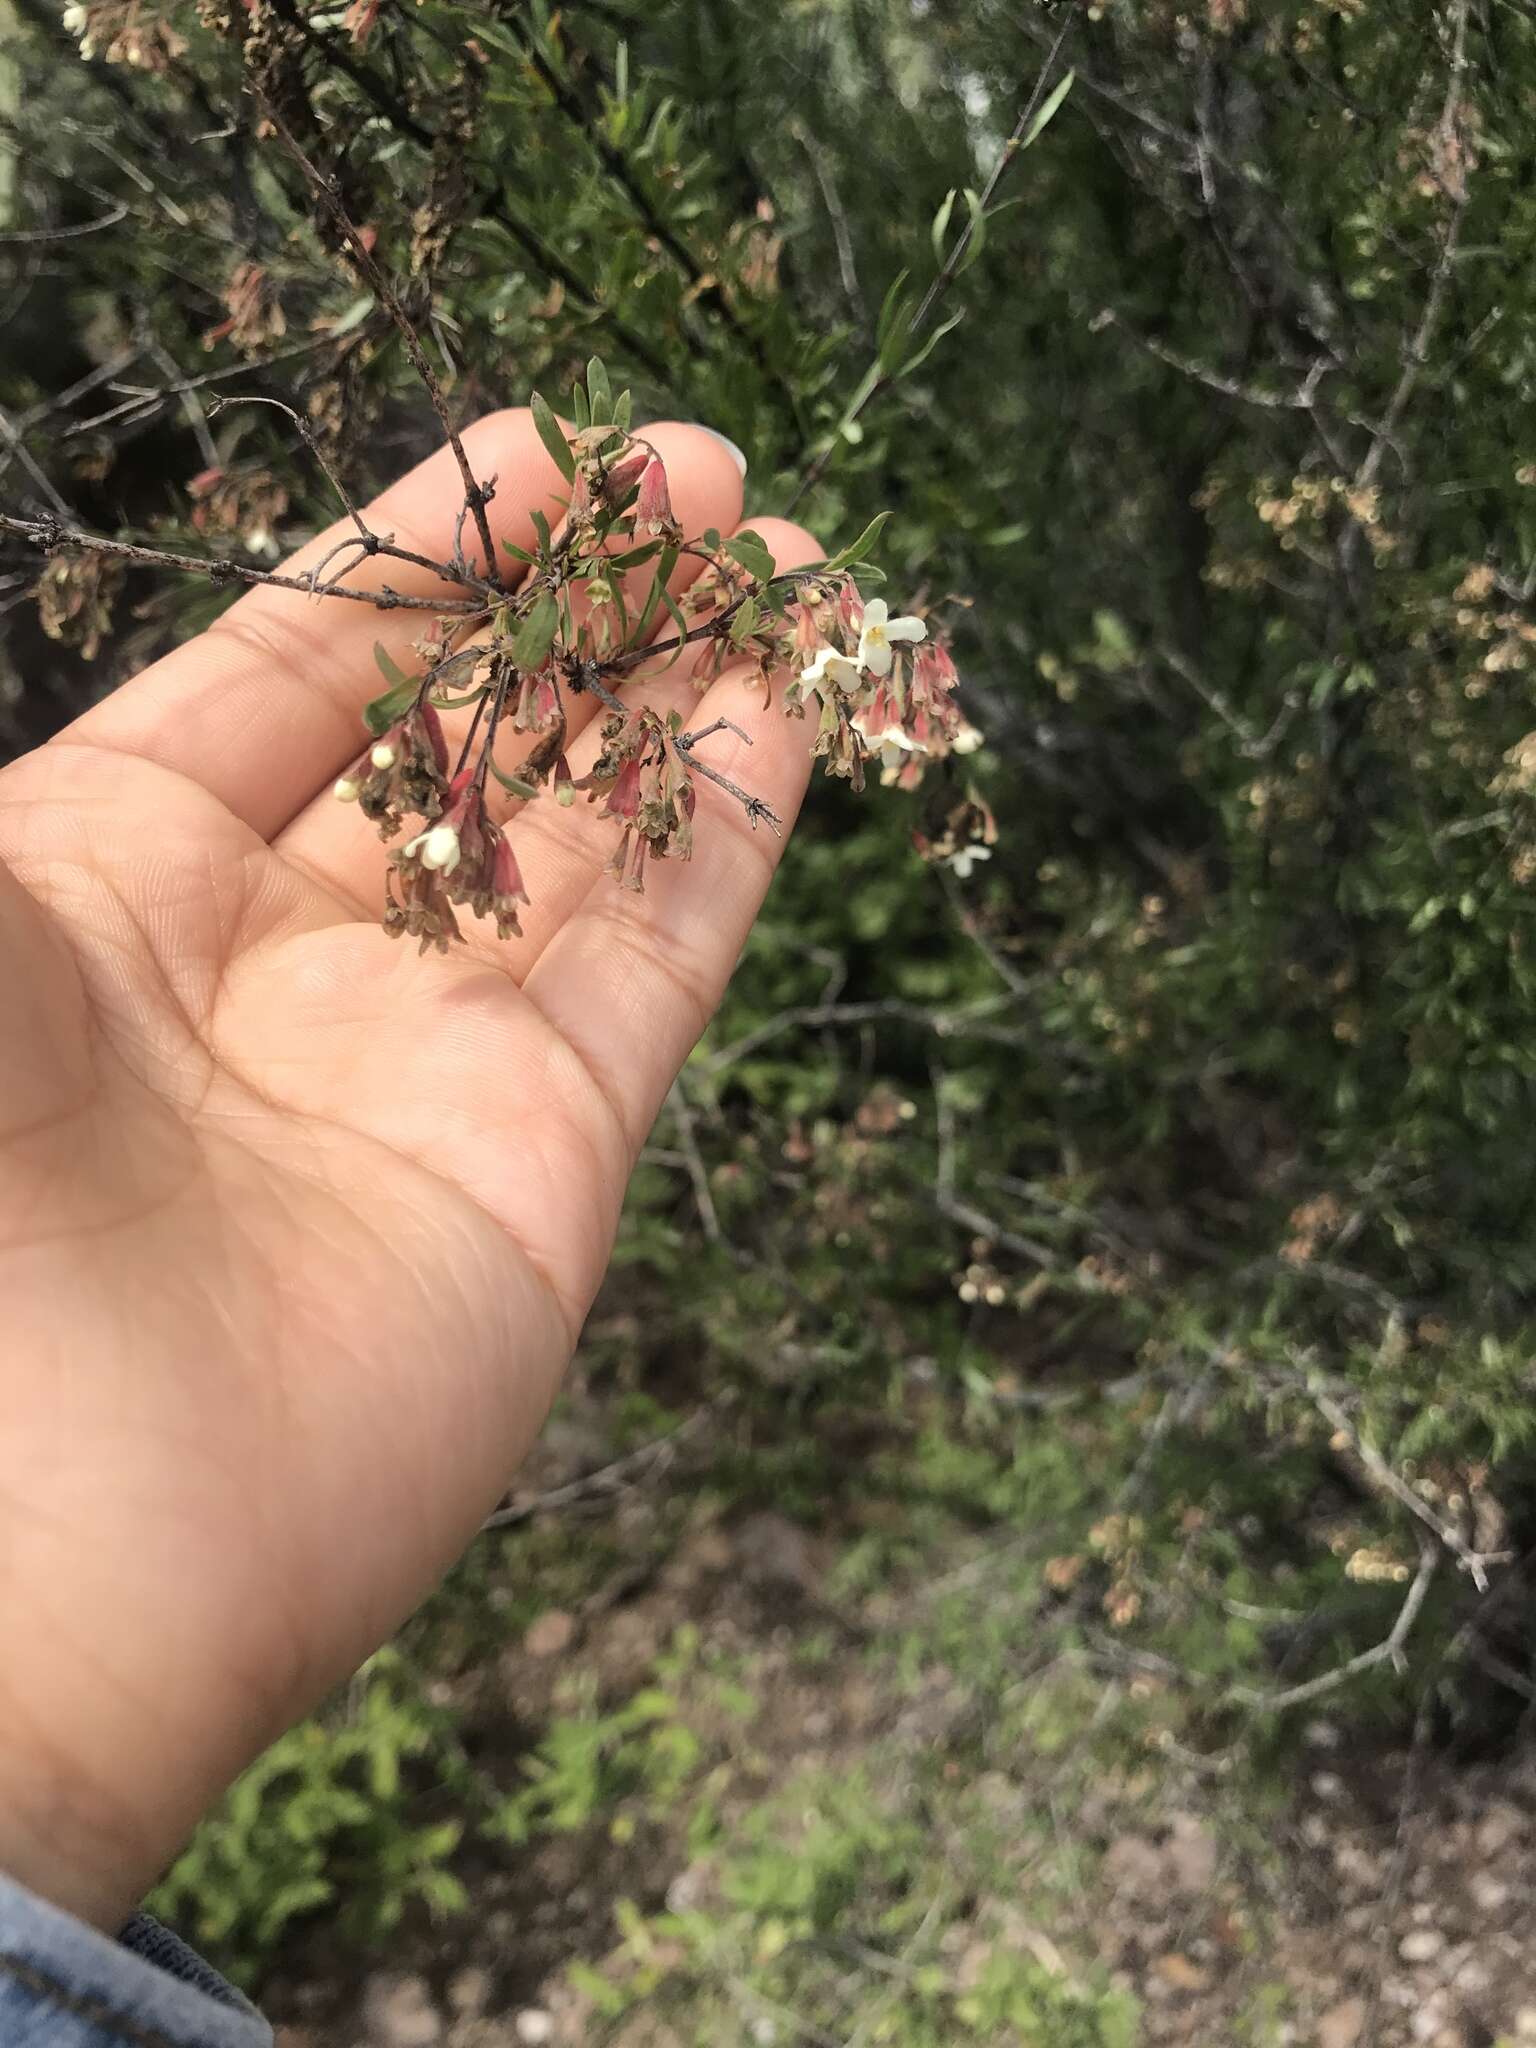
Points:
(297, 1228)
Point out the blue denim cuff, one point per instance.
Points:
(65, 1985)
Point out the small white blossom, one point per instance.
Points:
(962, 862)
(383, 756)
(966, 740)
(840, 671)
(880, 629)
(437, 847)
(347, 791)
(891, 745)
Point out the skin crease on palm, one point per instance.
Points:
(297, 1228)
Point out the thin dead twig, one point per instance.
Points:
(52, 537)
(647, 1461)
(1388, 1650)
(476, 497)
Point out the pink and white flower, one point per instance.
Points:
(879, 633)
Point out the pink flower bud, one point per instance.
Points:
(506, 877)
(850, 609)
(624, 475)
(807, 632)
(431, 727)
(653, 507)
(624, 797)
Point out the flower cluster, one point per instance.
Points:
(462, 858)
(244, 504)
(75, 596)
(124, 32)
(882, 685)
(642, 776)
(404, 769)
(579, 622)
(966, 835)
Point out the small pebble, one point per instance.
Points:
(1422, 1945)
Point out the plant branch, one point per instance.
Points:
(51, 537)
(879, 380)
(371, 543)
(493, 203)
(369, 271)
(1388, 1651)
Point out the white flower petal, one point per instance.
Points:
(839, 671)
(874, 653)
(437, 847)
(962, 862)
(906, 629)
(876, 611)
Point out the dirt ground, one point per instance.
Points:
(1395, 1909)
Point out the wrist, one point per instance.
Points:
(60, 1842)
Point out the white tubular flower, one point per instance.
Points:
(966, 740)
(892, 745)
(962, 862)
(347, 791)
(831, 669)
(880, 629)
(438, 847)
(383, 756)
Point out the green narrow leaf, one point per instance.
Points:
(1048, 112)
(599, 391)
(553, 438)
(845, 557)
(895, 323)
(664, 567)
(514, 785)
(744, 624)
(683, 628)
(977, 242)
(751, 551)
(940, 230)
(381, 713)
(389, 668)
(635, 558)
(945, 327)
(536, 633)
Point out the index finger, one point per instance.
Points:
(262, 708)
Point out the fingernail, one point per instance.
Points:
(725, 441)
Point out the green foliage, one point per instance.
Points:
(1060, 1190)
(639, 1755)
(329, 1816)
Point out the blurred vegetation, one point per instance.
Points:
(1164, 1189)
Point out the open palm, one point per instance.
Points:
(297, 1228)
